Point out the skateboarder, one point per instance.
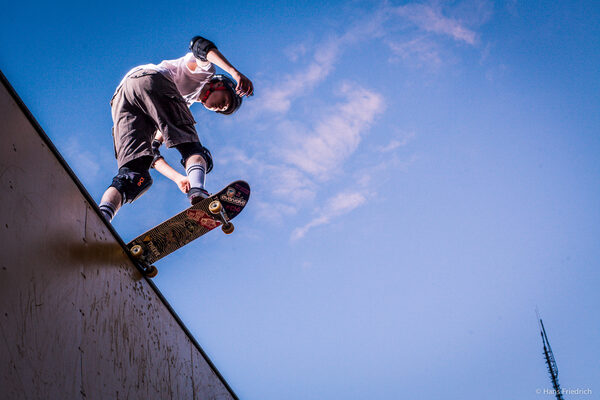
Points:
(151, 105)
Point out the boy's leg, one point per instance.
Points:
(195, 168)
(110, 203)
(131, 182)
(197, 162)
(133, 131)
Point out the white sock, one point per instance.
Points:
(196, 174)
(109, 210)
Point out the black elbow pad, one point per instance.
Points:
(200, 47)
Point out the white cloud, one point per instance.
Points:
(237, 156)
(338, 205)
(296, 52)
(420, 51)
(291, 185)
(279, 97)
(274, 212)
(430, 19)
(321, 152)
(397, 143)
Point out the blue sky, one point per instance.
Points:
(424, 175)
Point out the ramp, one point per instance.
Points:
(77, 318)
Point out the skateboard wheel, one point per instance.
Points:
(137, 251)
(215, 207)
(228, 228)
(152, 272)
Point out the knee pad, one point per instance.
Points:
(194, 148)
(131, 184)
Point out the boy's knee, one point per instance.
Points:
(131, 184)
(194, 148)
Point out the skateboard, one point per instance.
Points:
(216, 210)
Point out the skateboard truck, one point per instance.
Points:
(137, 251)
(216, 208)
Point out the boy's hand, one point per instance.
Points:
(244, 85)
(183, 183)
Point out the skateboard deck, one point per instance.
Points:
(216, 210)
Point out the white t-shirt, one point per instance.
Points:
(188, 82)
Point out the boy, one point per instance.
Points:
(151, 106)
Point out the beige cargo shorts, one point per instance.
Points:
(148, 101)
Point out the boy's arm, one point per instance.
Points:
(205, 51)
(244, 85)
(164, 168)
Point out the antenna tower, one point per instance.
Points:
(550, 361)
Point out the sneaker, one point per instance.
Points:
(196, 195)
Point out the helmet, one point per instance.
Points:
(230, 85)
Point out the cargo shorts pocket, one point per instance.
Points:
(179, 110)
